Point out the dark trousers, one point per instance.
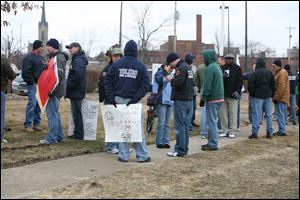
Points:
(77, 117)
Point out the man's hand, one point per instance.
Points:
(112, 102)
(130, 102)
(235, 95)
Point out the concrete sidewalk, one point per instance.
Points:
(23, 181)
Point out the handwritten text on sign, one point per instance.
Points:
(122, 124)
(89, 111)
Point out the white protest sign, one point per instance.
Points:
(122, 124)
(89, 111)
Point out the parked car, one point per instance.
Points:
(19, 86)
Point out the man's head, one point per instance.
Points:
(38, 46)
(287, 67)
(189, 58)
(277, 65)
(52, 45)
(229, 59)
(172, 59)
(115, 53)
(221, 61)
(74, 48)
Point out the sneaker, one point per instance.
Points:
(294, 123)
(269, 136)
(36, 128)
(252, 136)
(143, 161)
(160, 146)
(173, 154)
(3, 141)
(8, 129)
(73, 137)
(166, 146)
(45, 142)
(222, 135)
(113, 151)
(204, 136)
(279, 134)
(130, 150)
(205, 147)
(230, 135)
(121, 160)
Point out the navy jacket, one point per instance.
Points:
(32, 67)
(76, 83)
(128, 77)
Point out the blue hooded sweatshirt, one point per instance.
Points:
(128, 77)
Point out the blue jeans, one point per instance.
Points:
(203, 128)
(77, 118)
(250, 109)
(33, 111)
(2, 113)
(163, 123)
(139, 147)
(259, 106)
(211, 121)
(183, 111)
(292, 108)
(280, 109)
(56, 133)
(238, 112)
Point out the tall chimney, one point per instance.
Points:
(199, 28)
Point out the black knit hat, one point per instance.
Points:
(53, 43)
(287, 67)
(171, 57)
(277, 62)
(37, 44)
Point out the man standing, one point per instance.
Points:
(293, 80)
(127, 82)
(55, 134)
(189, 59)
(182, 95)
(213, 96)
(76, 84)
(261, 87)
(233, 80)
(281, 99)
(7, 73)
(32, 67)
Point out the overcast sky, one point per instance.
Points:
(70, 21)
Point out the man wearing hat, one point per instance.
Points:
(114, 54)
(55, 134)
(182, 95)
(293, 78)
(233, 81)
(32, 68)
(281, 99)
(76, 84)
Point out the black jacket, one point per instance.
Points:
(101, 82)
(183, 82)
(261, 83)
(76, 83)
(233, 82)
(32, 67)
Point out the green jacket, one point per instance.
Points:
(213, 88)
(199, 77)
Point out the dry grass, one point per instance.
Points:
(260, 169)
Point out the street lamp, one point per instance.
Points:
(228, 35)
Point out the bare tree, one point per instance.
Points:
(217, 42)
(146, 30)
(255, 48)
(10, 47)
(7, 7)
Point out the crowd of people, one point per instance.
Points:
(218, 81)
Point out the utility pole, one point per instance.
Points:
(20, 36)
(120, 33)
(289, 50)
(175, 18)
(222, 29)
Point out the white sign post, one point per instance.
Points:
(89, 111)
(122, 124)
